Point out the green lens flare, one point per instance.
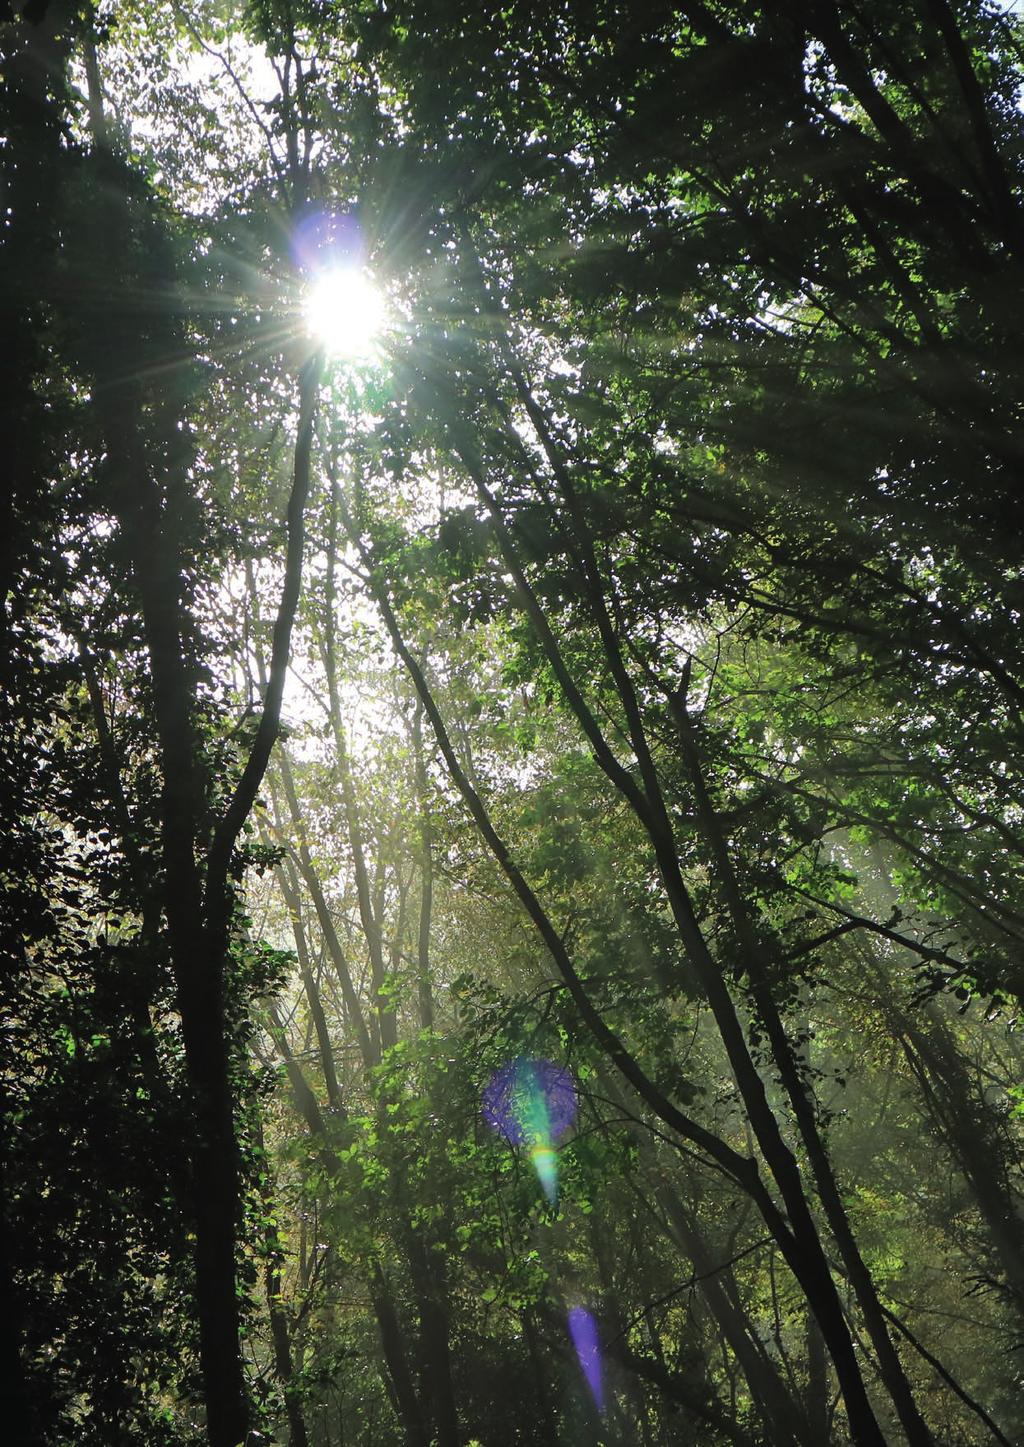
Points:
(545, 1163)
(532, 1103)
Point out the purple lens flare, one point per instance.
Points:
(583, 1332)
(530, 1102)
(328, 238)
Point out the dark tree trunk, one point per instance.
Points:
(423, 980)
(416, 1434)
(435, 1340)
(19, 1428)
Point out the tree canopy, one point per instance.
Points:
(511, 706)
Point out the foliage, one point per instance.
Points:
(651, 704)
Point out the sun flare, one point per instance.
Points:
(345, 311)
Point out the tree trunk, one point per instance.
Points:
(416, 1434)
(423, 979)
(435, 1339)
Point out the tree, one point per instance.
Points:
(649, 699)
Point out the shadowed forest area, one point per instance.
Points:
(512, 877)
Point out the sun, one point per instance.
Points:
(346, 312)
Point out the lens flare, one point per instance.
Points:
(545, 1163)
(583, 1332)
(323, 238)
(532, 1103)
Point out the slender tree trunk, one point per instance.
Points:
(435, 1338)
(280, 1334)
(289, 887)
(543, 1395)
(424, 983)
(819, 1415)
(369, 917)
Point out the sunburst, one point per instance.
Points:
(346, 312)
